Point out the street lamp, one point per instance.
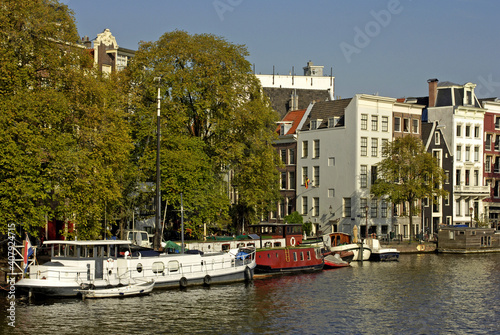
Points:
(366, 209)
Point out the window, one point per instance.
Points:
(467, 154)
(291, 156)
(374, 147)
(363, 176)
(363, 207)
(459, 152)
(459, 130)
(331, 193)
(476, 154)
(316, 175)
(304, 175)
(385, 123)
(331, 161)
(467, 131)
(437, 155)
(385, 142)
(476, 131)
(397, 124)
(333, 121)
(283, 180)
(364, 121)
(457, 208)
(347, 207)
(487, 164)
(291, 180)
(415, 125)
(282, 129)
(291, 205)
(374, 208)
(446, 177)
(476, 177)
(316, 148)
(374, 123)
(383, 209)
(437, 138)
(313, 125)
(283, 156)
(487, 144)
(447, 200)
(364, 146)
(374, 174)
(304, 205)
(497, 122)
(467, 177)
(497, 142)
(315, 207)
(457, 176)
(304, 149)
(406, 125)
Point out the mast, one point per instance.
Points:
(157, 238)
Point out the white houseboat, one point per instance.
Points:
(76, 265)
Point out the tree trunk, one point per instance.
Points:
(410, 203)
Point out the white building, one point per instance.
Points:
(459, 111)
(339, 146)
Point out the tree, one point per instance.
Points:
(64, 138)
(407, 174)
(217, 126)
(295, 217)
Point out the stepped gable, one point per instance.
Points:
(280, 98)
(326, 109)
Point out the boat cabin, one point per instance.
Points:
(85, 249)
(336, 239)
(468, 239)
(292, 233)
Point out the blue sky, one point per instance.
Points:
(388, 47)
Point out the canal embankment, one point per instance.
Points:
(405, 247)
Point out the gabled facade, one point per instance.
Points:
(286, 146)
(492, 161)
(339, 146)
(459, 111)
(438, 210)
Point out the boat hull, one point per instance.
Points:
(384, 255)
(288, 260)
(355, 248)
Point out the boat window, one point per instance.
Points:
(241, 244)
(225, 247)
(251, 245)
(173, 266)
(139, 267)
(277, 244)
(451, 235)
(308, 255)
(158, 267)
(268, 255)
(301, 256)
(267, 245)
(294, 256)
(461, 233)
(277, 255)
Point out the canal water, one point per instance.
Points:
(420, 294)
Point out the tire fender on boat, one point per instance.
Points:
(248, 274)
(292, 241)
(207, 280)
(183, 283)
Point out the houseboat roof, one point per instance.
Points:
(90, 242)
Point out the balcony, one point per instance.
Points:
(471, 191)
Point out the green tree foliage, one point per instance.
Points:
(408, 173)
(215, 122)
(64, 138)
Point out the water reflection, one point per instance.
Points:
(420, 294)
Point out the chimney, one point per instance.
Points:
(432, 91)
(87, 42)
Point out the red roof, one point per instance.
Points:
(294, 117)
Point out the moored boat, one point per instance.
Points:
(460, 239)
(339, 242)
(380, 254)
(334, 261)
(75, 265)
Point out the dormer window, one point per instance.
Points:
(282, 130)
(333, 121)
(313, 125)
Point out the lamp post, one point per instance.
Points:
(366, 213)
(157, 237)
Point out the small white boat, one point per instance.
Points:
(340, 242)
(119, 291)
(380, 254)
